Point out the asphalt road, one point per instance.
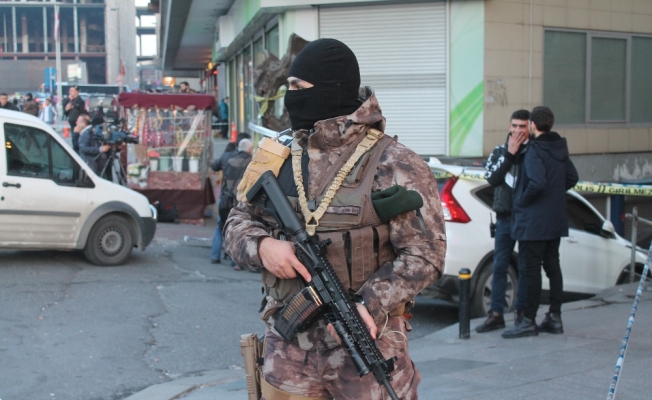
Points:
(74, 331)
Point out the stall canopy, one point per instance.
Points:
(167, 100)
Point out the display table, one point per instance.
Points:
(181, 189)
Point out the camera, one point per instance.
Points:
(117, 137)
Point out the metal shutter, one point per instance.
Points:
(401, 50)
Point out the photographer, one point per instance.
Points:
(89, 148)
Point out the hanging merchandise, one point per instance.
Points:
(174, 152)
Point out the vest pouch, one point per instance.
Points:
(346, 211)
(282, 290)
(354, 177)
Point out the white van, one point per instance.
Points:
(50, 199)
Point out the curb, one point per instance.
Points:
(180, 387)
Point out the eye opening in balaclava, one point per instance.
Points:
(333, 69)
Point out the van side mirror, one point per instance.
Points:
(608, 230)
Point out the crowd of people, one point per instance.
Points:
(45, 111)
(530, 173)
(84, 127)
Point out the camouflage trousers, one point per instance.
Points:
(331, 374)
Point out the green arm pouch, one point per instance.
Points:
(394, 201)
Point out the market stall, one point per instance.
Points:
(170, 163)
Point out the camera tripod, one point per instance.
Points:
(113, 170)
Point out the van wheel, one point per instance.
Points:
(481, 296)
(110, 241)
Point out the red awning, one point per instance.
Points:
(167, 100)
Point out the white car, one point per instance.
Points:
(50, 199)
(593, 257)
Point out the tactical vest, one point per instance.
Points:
(360, 241)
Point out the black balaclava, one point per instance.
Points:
(333, 70)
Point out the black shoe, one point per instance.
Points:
(214, 261)
(493, 322)
(552, 324)
(518, 316)
(525, 327)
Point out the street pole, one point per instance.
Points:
(57, 44)
(632, 266)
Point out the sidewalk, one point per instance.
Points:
(576, 365)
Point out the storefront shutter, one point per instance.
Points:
(401, 50)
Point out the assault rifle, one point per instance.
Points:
(324, 294)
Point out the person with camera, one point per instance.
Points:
(90, 147)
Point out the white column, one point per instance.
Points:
(45, 30)
(83, 34)
(23, 32)
(75, 29)
(13, 27)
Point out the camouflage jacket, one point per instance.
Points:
(419, 241)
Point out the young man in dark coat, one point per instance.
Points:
(500, 172)
(540, 220)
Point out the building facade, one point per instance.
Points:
(94, 33)
(449, 73)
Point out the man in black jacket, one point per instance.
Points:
(500, 173)
(73, 109)
(540, 220)
(220, 164)
(5, 103)
(231, 176)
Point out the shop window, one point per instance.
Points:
(272, 41)
(239, 72)
(595, 77)
(608, 76)
(248, 85)
(564, 75)
(259, 53)
(641, 96)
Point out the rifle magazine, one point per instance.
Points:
(299, 313)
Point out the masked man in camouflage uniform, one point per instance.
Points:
(382, 257)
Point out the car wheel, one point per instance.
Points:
(638, 271)
(110, 241)
(481, 296)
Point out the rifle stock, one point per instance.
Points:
(336, 306)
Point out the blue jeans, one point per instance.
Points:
(503, 247)
(216, 250)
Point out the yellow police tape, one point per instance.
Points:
(582, 186)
